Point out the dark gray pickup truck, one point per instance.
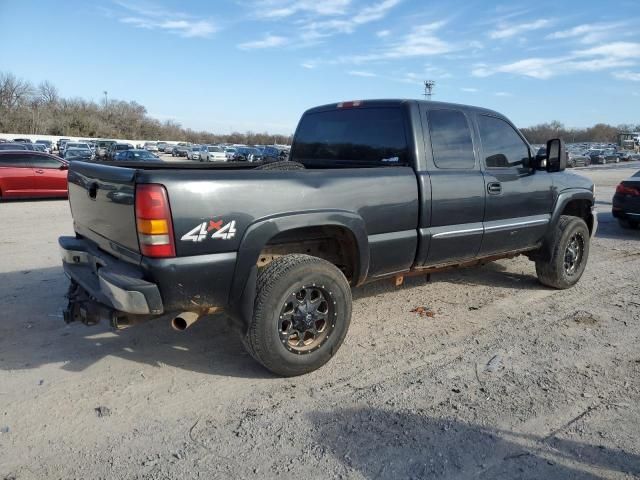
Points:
(373, 189)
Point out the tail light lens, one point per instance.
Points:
(153, 218)
(625, 190)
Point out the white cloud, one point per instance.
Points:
(510, 30)
(361, 73)
(155, 18)
(614, 49)
(383, 33)
(422, 41)
(375, 12)
(588, 32)
(632, 76)
(603, 57)
(469, 89)
(287, 8)
(269, 41)
(503, 94)
(308, 65)
(316, 29)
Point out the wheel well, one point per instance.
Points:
(334, 244)
(581, 209)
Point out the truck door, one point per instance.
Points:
(457, 195)
(519, 199)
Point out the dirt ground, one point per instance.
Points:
(507, 379)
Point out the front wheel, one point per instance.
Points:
(568, 251)
(302, 312)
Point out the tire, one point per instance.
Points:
(626, 223)
(554, 271)
(273, 337)
(281, 165)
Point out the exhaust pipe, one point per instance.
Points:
(184, 321)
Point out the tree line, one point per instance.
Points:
(600, 132)
(40, 109)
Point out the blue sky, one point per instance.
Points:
(258, 64)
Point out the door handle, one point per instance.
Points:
(494, 188)
(39, 171)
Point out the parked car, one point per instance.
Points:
(25, 174)
(22, 140)
(162, 146)
(102, 148)
(47, 143)
(60, 143)
(626, 202)
(211, 153)
(194, 153)
(230, 152)
(13, 146)
(116, 148)
(274, 154)
(137, 155)
(578, 160)
(181, 150)
(74, 154)
(151, 146)
(279, 253)
(247, 154)
(38, 147)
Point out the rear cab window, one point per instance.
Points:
(451, 142)
(352, 137)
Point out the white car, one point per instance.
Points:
(211, 153)
(194, 153)
(151, 146)
(229, 152)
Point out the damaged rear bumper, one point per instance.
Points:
(114, 284)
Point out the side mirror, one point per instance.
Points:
(64, 166)
(556, 155)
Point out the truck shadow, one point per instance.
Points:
(387, 444)
(33, 333)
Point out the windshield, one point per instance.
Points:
(215, 149)
(195, 149)
(77, 152)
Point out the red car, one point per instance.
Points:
(25, 173)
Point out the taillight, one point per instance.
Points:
(153, 218)
(624, 190)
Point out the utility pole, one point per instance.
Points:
(428, 88)
(106, 100)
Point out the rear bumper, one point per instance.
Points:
(112, 283)
(153, 287)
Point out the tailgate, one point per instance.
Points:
(103, 205)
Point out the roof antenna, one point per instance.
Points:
(428, 88)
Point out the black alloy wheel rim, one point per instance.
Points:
(573, 254)
(307, 319)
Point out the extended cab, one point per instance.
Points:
(373, 189)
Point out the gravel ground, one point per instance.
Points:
(507, 379)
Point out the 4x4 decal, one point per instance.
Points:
(219, 229)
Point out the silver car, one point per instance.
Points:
(211, 153)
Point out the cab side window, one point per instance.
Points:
(451, 142)
(38, 161)
(14, 160)
(502, 146)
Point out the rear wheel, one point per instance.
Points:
(301, 314)
(568, 250)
